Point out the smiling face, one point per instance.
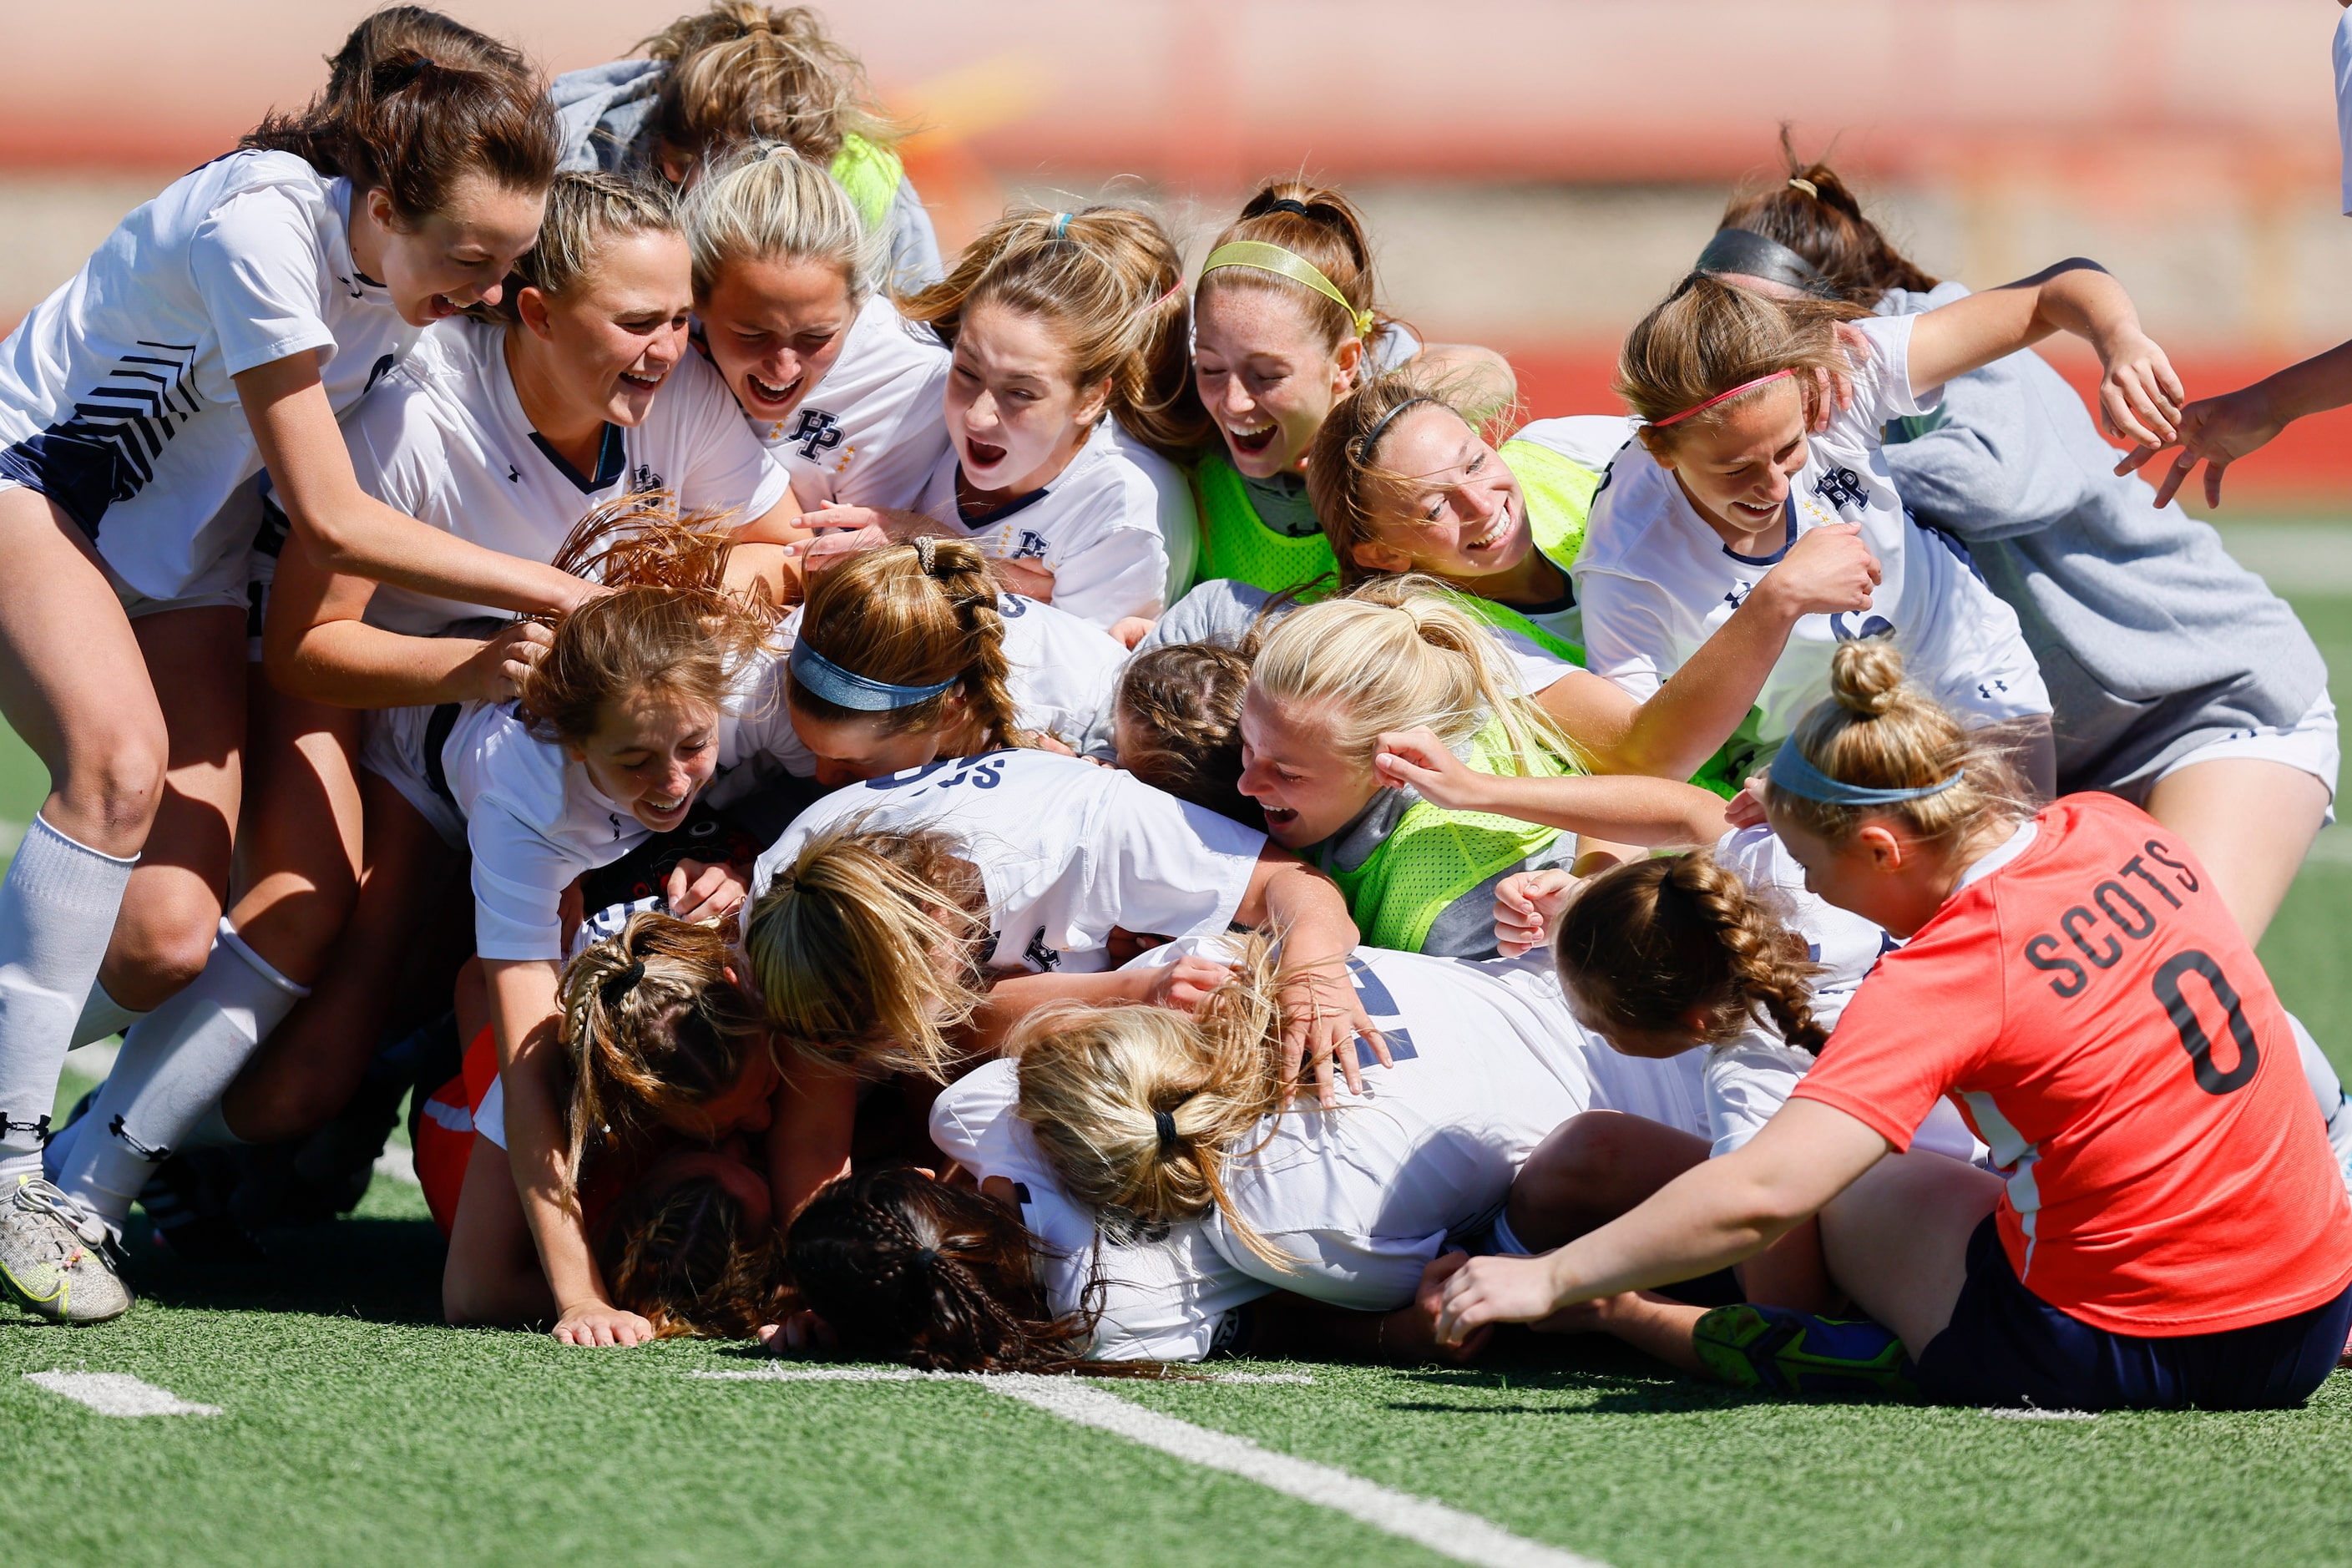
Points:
(606, 346)
(1290, 766)
(1736, 469)
(775, 326)
(1459, 512)
(851, 750)
(1266, 374)
(453, 259)
(651, 754)
(1013, 412)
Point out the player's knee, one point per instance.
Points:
(112, 781)
(161, 942)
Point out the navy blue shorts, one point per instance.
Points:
(2008, 1348)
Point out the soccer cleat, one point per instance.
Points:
(56, 1257)
(1795, 1355)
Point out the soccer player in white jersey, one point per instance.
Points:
(1214, 1189)
(1730, 473)
(844, 391)
(503, 436)
(1067, 337)
(220, 329)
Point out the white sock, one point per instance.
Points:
(58, 906)
(174, 1065)
(102, 1016)
(2328, 1089)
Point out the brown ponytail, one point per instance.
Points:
(415, 103)
(1180, 707)
(743, 72)
(654, 1021)
(884, 617)
(1647, 943)
(1109, 281)
(1825, 224)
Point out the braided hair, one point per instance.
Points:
(1179, 708)
(1648, 943)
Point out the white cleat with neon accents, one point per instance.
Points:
(56, 1257)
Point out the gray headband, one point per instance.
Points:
(1751, 255)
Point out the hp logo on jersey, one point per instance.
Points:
(1842, 487)
(816, 432)
(1031, 548)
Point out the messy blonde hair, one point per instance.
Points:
(1096, 1082)
(744, 72)
(1708, 337)
(765, 201)
(654, 1020)
(1401, 653)
(1648, 943)
(1108, 280)
(866, 948)
(1880, 731)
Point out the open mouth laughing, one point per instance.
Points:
(1254, 440)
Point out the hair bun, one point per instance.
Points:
(1866, 676)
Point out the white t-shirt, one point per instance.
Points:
(1063, 669)
(1488, 1060)
(1067, 851)
(115, 392)
(1655, 581)
(1166, 1293)
(445, 440)
(1749, 1077)
(1099, 526)
(533, 819)
(870, 433)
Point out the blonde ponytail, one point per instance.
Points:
(768, 203)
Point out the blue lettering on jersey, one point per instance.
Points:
(1841, 626)
(1842, 487)
(1031, 547)
(1038, 954)
(983, 771)
(816, 432)
(643, 479)
(1012, 606)
(1378, 1005)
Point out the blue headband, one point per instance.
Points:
(820, 677)
(1792, 772)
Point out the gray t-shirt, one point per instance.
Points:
(2152, 641)
(602, 110)
(1462, 929)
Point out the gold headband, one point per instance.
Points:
(1287, 264)
(1798, 182)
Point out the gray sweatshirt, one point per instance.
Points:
(2152, 641)
(603, 109)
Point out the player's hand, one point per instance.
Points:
(1322, 1019)
(1835, 388)
(1183, 985)
(2139, 395)
(1133, 629)
(1030, 579)
(1410, 1333)
(498, 669)
(1528, 905)
(1418, 761)
(702, 893)
(2215, 431)
(1488, 1290)
(1828, 570)
(801, 1330)
(601, 1323)
(841, 532)
(1746, 809)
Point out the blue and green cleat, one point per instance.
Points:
(1774, 1350)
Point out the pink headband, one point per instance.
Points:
(1720, 396)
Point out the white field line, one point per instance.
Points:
(1448, 1531)
(397, 1162)
(117, 1394)
(780, 1372)
(2030, 1414)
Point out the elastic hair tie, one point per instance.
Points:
(1273, 259)
(1792, 772)
(1381, 426)
(1287, 204)
(820, 677)
(616, 986)
(1720, 397)
(1061, 224)
(928, 1257)
(1799, 183)
(1164, 1123)
(927, 552)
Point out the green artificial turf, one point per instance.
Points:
(355, 1428)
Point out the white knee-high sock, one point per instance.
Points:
(174, 1065)
(2328, 1089)
(58, 906)
(102, 1016)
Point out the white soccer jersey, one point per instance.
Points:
(116, 400)
(870, 433)
(1165, 1295)
(445, 440)
(1749, 1077)
(531, 817)
(1655, 581)
(1097, 525)
(1063, 669)
(1067, 851)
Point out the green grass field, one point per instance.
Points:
(351, 1427)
